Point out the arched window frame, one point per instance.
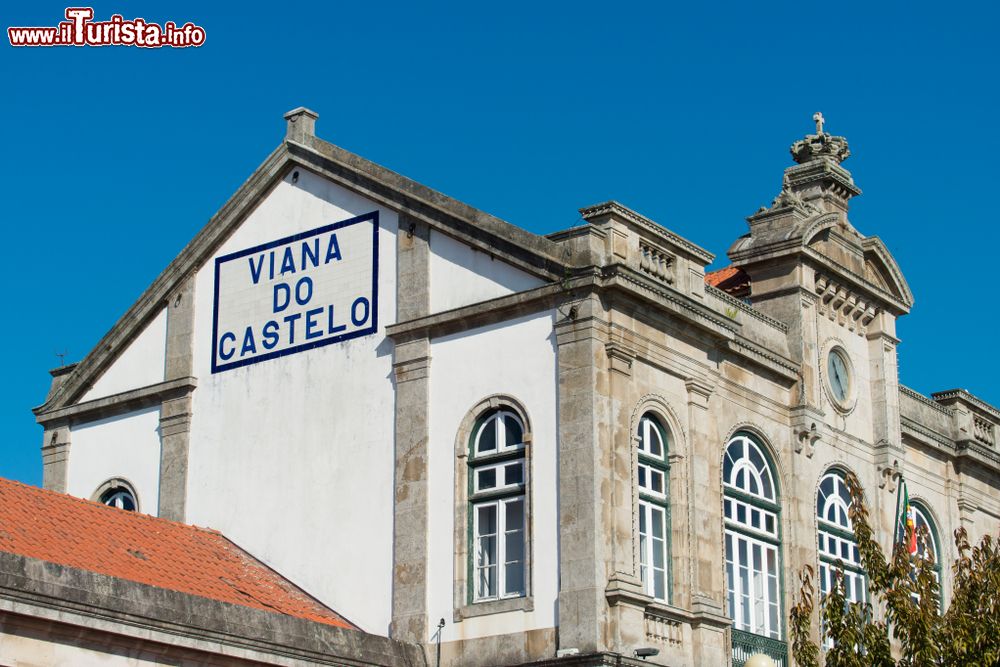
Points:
(653, 490)
(466, 604)
(923, 516)
(113, 486)
(752, 589)
(835, 537)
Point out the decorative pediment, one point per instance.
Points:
(882, 270)
(533, 254)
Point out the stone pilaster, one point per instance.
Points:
(55, 458)
(707, 554)
(175, 412)
(409, 590)
(620, 360)
(411, 365)
(585, 503)
(890, 457)
(624, 588)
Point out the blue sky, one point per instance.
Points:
(115, 157)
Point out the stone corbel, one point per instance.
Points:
(625, 589)
(807, 425)
(806, 439)
(620, 358)
(699, 391)
(889, 476)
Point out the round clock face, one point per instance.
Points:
(839, 376)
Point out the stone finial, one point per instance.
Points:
(820, 145)
(301, 124)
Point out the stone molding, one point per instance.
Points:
(746, 308)
(620, 358)
(930, 403)
(117, 404)
(596, 211)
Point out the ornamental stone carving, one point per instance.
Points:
(822, 145)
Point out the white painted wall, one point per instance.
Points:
(126, 446)
(461, 275)
(517, 358)
(140, 364)
(292, 458)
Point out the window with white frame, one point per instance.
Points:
(753, 545)
(836, 539)
(120, 497)
(498, 478)
(652, 476)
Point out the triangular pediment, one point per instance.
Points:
(881, 269)
(532, 254)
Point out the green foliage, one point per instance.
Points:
(907, 591)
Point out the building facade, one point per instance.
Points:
(457, 432)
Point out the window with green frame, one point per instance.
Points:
(498, 479)
(836, 538)
(654, 507)
(922, 520)
(753, 538)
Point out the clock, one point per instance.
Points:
(838, 375)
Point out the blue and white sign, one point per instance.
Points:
(304, 291)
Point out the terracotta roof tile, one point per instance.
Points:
(732, 280)
(90, 536)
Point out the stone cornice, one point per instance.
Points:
(100, 603)
(918, 429)
(607, 207)
(153, 299)
(116, 404)
(625, 276)
(917, 396)
(966, 397)
(533, 253)
(487, 312)
(745, 308)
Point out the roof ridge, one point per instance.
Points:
(135, 516)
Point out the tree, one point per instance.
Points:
(907, 592)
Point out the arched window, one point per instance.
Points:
(654, 509)
(753, 554)
(118, 493)
(922, 520)
(498, 480)
(836, 538)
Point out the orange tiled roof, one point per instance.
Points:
(731, 279)
(90, 536)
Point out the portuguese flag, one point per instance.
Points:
(905, 520)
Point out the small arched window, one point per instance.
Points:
(753, 545)
(498, 479)
(119, 496)
(654, 508)
(836, 538)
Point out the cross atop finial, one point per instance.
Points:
(819, 120)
